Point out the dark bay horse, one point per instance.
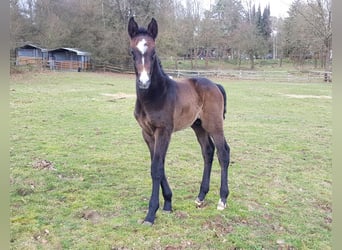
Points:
(164, 106)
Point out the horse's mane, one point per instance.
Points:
(161, 67)
(142, 31)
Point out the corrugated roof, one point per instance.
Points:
(33, 46)
(75, 50)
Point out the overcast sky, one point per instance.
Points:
(279, 8)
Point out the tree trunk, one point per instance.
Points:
(251, 58)
(239, 59)
(195, 56)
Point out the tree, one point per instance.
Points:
(230, 27)
(249, 38)
(248, 41)
(308, 31)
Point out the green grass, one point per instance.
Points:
(96, 191)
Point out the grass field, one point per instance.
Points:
(80, 175)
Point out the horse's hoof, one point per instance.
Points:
(147, 223)
(199, 203)
(221, 205)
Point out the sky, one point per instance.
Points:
(279, 8)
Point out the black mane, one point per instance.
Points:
(161, 67)
(143, 31)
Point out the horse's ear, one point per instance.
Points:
(132, 27)
(152, 28)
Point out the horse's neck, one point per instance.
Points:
(158, 72)
(160, 83)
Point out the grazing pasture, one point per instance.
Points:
(80, 174)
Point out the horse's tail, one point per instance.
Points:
(224, 99)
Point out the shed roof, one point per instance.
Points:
(30, 46)
(75, 50)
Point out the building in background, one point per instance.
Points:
(65, 59)
(69, 59)
(30, 54)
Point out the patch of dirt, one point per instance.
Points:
(219, 226)
(41, 236)
(23, 191)
(91, 215)
(325, 207)
(44, 164)
(27, 186)
(283, 246)
(183, 245)
(181, 215)
(118, 96)
(308, 96)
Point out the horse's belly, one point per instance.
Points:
(185, 119)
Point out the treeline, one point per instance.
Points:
(229, 30)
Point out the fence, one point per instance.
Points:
(68, 65)
(105, 67)
(277, 76)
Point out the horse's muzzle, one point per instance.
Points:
(143, 85)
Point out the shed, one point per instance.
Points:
(31, 54)
(69, 59)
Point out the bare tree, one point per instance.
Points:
(249, 43)
(230, 27)
(308, 31)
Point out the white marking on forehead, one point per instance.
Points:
(142, 46)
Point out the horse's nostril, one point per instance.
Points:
(144, 84)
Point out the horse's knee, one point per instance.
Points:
(227, 147)
(157, 170)
(209, 151)
(167, 195)
(223, 153)
(227, 152)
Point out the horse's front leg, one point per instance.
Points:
(162, 139)
(167, 193)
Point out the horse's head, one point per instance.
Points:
(143, 50)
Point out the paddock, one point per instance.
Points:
(79, 169)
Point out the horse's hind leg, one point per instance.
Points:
(167, 194)
(223, 154)
(208, 149)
